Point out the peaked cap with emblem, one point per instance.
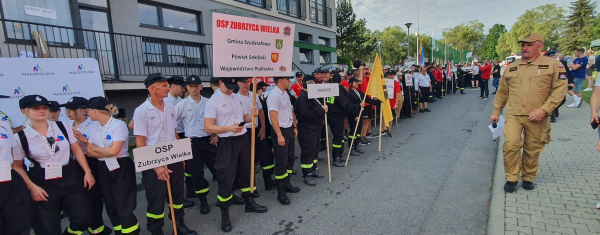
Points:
(193, 79)
(31, 101)
(532, 37)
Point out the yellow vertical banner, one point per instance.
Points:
(378, 89)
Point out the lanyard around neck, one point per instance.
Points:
(47, 146)
(232, 106)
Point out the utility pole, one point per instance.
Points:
(408, 38)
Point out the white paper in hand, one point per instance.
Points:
(497, 132)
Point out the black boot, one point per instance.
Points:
(182, 229)
(269, 182)
(556, 112)
(281, 195)
(225, 222)
(337, 162)
(288, 186)
(552, 118)
(255, 194)
(204, 209)
(187, 203)
(251, 206)
(237, 200)
(158, 232)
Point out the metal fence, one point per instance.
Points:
(120, 56)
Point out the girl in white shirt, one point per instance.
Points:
(15, 205)
(53, 180)
(108, 142)
(82, 125)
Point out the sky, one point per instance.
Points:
(439, 14)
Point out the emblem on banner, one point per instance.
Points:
(287, 31)
(274, 57)
(66, 88)
(282, 69)
(19, 91)
(278, 44)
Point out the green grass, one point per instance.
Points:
(587, 95)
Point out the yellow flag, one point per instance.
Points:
(377, 88)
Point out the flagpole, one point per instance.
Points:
(432, 45)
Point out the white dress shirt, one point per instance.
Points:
(174, 101)
(279, 101)
(248, 102)
(40, 150)
(226, 110)
(157, 126)
(7, 141)
(421, 81)
(85, 127)
(113, 131)
(191, 114)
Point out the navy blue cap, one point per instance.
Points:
(193, 79)
(75, 102)
(309, 78)
(31, 101)
(98, 103)
(177, 80)
(153, 78)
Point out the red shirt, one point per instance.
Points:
(363, 87)
(297, 88)
(345, 84)
(397, 90)
(439, 76)
(485, 72)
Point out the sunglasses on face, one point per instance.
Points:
(51, 142)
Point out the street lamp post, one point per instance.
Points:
(408, 38)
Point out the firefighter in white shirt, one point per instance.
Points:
(284, 133)
(154, 123)
(82, 125)
(53, 180)
(108, 142)
(225, 115)
(14, 197)
(262, 150)
(191, 112)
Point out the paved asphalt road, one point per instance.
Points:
(433, 177)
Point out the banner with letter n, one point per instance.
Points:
(162, 154)
(323, 90)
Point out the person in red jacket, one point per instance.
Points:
(486, 73)
(439, 77)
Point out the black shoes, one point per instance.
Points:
(528, 185)
(225, 222)
(317, 174)
(552, 118)
(308, 180)
(509, 187)
(389, 133)
(251, 205)
(289, 188)
(427, 110)
(157, 232)
(237, 200)
(255, 194)
(187, 203)
(421, 111)
(182, 229)
(269, 183)
(281, 194)
(204, 209)
(337, 162)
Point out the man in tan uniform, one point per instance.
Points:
(530, 89)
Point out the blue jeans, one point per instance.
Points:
(578, 82)
(496, 82)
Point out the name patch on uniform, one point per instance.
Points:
(543, 66)
(512, 69)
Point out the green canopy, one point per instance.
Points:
(595, 43)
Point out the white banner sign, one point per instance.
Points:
(57, 79)
(389, 85)
(149, 157)
(323, 90)
(409, 80)
(251, 47)
(41, 12)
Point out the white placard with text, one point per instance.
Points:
(323, 90)
(251, 47)
(409, 79)
(389, 85)
(40, 12)
(165, 153)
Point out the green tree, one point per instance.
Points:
(580, 19)
(353, 38)
(491, 41)
(533, 20)
(466, 37)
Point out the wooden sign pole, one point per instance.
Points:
(171, 203)
(253, 140)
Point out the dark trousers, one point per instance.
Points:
(119, 189)
(424, 94)
(263, 153)
(461, 83)
(97, 223)
(439, 89)
(15, 207)
(203, 154)
(156, 194)
(355, 137)
(309, 146)
(323, 135)
(336, 124)
(66, 194)
(284, 155)
(485, 91)
(233, 160)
